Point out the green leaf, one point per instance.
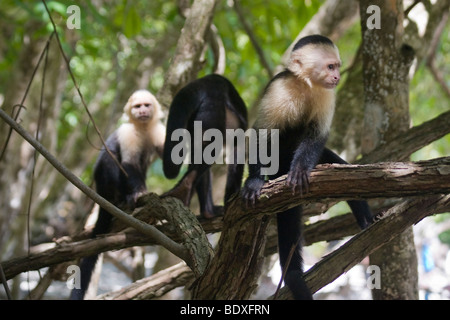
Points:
(132, 22)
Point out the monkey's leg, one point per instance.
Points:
(183, 190)
(360, 208)
(289, 233)
(204, 191)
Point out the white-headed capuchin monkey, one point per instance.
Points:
(134, 145)
(300, 103)
(213, 102)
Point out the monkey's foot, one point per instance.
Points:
(217, 211)
(179, 192)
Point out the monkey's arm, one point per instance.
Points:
(305, 158)
(360, 208)
(252, 187)
(134, 183)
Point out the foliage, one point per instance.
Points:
(120, 40)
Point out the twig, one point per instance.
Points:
(149, 230)
(16, 116)
(83, 102)
(5, 283)
(251, 35)
(431, 58)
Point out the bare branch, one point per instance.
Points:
(253, 40)
(244, 230)
(149, 230)
(185, 64)
(427, 177)
(393, 222)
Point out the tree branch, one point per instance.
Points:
(154, 286)
(414, 139)
(243, 233)
(185, 66)
(392, 223)
(259, 51)
(147, 229)
(366, 181)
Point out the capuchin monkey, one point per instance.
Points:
(211, 102)
(134, 145)
(300, 103)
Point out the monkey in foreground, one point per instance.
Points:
(214, 103)
(300, 103)
(134, 145)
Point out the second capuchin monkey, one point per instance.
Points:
(300, 103)
(134, 145)
(211, 102)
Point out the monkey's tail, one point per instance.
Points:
(87, 265)
(183, 107)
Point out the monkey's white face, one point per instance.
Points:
(318, 65)
(329, 76)
(325, 72)
(141, 106)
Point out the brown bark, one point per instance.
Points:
(428, 177)
(386, 63)
(243, 233)
(393, 222)
(185, 64)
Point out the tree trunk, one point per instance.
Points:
(386, 63)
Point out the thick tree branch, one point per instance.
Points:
(367, 181)
(243, 228)
(150, 230)
(392, 223)
(185, 64)
(412, 140)
(383, 180)
(154, 286)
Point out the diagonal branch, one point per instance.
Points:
(379, 180)
(149, 230)
(412, 140)
(393, 222)
(244, 230)
(185, 64)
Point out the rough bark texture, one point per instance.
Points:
(386, 63)
(243, 231)
(381, 180)
(185, 64)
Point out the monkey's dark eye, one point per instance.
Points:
(331, 66)
(141, 105)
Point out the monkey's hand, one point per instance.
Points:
(131, 199)
(298, 177)
(252, 190)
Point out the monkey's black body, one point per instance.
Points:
(112, 184)
(301, 147)
(214, 101)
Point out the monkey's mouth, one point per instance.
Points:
(332, 85)
(144, 118)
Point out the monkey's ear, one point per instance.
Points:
(159, 111)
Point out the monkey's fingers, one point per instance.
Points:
(298, 179)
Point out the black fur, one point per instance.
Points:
(207, 100)
(301, 148)
(113, 185)
(313, 39)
